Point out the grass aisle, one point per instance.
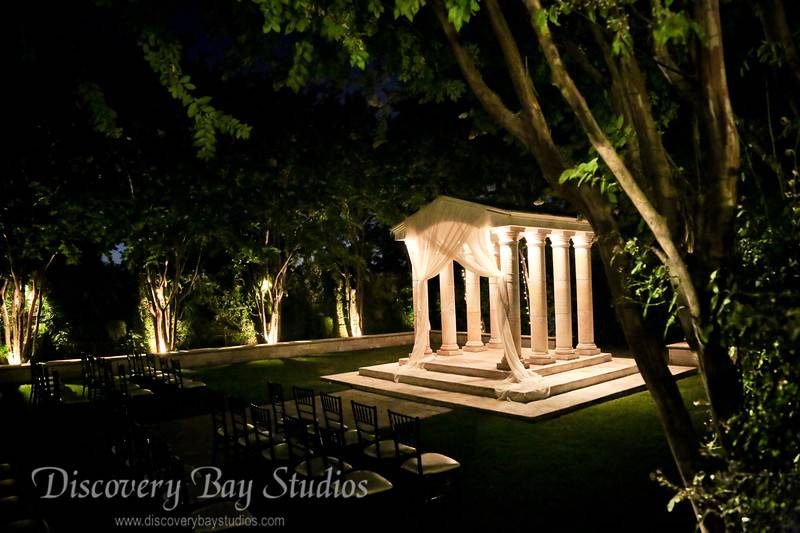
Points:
(587, 470)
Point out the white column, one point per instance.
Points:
(496, 339)
(509, 264)
(447, 295)
(537, 287)
(582, 241)
(472, 293)
(559, 240)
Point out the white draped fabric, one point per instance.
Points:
(448, 230)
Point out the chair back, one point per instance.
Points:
(105, 372)
(297, 438)
(238, 413)
(86, 375)
(56, 398)
(306, 405)
(276, 400)
(165, 368)
(366, 422)
(39, 383)
(406, 430)
(122, 381)
(219, 416)
(177, 374)
(261, 418)
(135, 366)
(153, 373)
(332, 411)
(94, 383)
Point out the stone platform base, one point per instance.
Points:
(571, 387)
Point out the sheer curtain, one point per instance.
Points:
(447, 230)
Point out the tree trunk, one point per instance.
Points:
(531, 129)
(341, 297)
(354, 309)
(21, 317)
(273, 333)
(651, 357)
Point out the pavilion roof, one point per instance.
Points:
(503, 217)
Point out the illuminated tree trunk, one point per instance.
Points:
(166, 289)
(353, 307)
(21, 302)
(341, 299)
(268, 307)
(273, 334)
(268, 291)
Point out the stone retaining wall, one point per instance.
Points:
(70, 369)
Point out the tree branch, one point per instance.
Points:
(540, 138)
(718, 208)
(489, 99)
(654, 220)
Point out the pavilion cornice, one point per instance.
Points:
(503, 217)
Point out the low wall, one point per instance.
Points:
(70, 369)
(283, 350)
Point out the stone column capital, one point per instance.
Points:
(583, 239)
(560, 238)
(508, 234)
(536, 236)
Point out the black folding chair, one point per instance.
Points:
(178, 379)
(136, 368)
(425, 467)
(334, 420)
(278, 404)
(306, 405)
(271, 447)
(222, 433)
(374, 443)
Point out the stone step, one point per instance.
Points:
(587, 376)
(480, 386)
(486, 367)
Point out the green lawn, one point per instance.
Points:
(586, 470)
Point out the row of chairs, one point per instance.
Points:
(18, 513)
(141, 455)
(143, 374)
(46, 386)
(253, 432)
(160, 371)
(313, 446)
(101, 383)
(403, 438)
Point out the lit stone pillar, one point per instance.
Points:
(582, 242)
(472, 293)
(447, 295)
(559, 241)
(537, 286)
(496, 339)
(509, 264)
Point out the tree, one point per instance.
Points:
(174, 219)
(638, 71)
(268, 233)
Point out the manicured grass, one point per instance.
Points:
(248, 380)
(586, 470)
(25, 390)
